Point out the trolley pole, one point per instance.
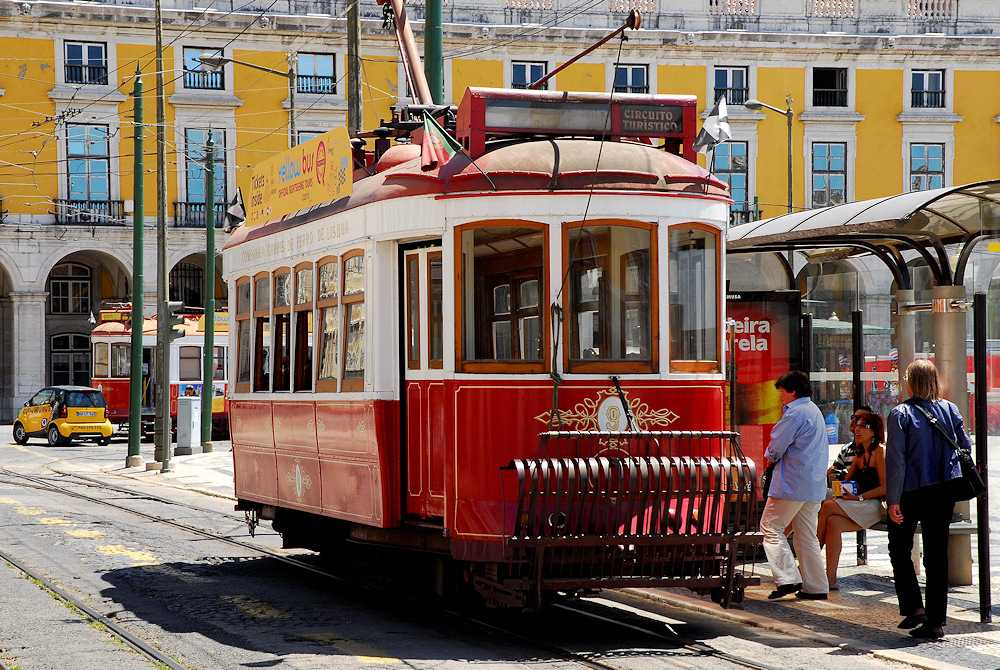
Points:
(162, 432)
(138, 283)
(208, 352)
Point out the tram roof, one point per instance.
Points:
(924, 221)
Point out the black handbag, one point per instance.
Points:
(765, 480)
(970, 485)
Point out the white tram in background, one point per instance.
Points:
(514, 364)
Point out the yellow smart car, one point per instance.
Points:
(62, 413)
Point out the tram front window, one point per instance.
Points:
(611, 296)
(694, 300)
(502, 289)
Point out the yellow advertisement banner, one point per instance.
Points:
(311, 173)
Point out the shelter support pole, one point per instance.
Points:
(951, 359)
(905, 336)
(982, 451)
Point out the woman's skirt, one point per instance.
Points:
(865, 513)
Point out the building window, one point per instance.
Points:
(730, 165)
(926, 166)
(317, 73)
(201, 76)
(187, 284)
(89, 167)
(86, 63)
(503, 289)
(631, 79)
(611, 297)
(733, 83)
(927, 89)
(69, 289)
(306, 135)
(524, 73)
(829, 87)
(195, 151)
(829, 174)
(70, 360)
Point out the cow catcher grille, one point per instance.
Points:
(612, 510)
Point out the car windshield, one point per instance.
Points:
(85, 399)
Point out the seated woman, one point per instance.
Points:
(855, 512)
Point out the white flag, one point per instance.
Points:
(716, 128)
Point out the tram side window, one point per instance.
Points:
(243, 322)
(611, 297)
(262, 334)
(694, 300)
(435, 316)
(303, 329)
(189, 368)
(101, 360)
(121, 360)
(354, 321)
(502, 289)
(281, 345)
(327, 300)
(219, 363)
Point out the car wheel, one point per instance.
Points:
(104, 441)
(55, 437)
(20, 436)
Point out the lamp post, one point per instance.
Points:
(756, 106)
(214, 63)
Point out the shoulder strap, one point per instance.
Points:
(934, 422)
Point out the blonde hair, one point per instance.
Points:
(922, 379)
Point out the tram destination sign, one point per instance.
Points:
(308, 174)
(651, 120)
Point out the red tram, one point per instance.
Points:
(111, 340)
(512, 360)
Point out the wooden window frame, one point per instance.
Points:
(412, 261)
(303, 379)
(434, 363)
(617, 366)
(243, 387)
(281, 377)
(326, 385)
(258, 373)
(506, 367)
(351, 385)
(701, 366)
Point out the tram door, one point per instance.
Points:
(423, 386)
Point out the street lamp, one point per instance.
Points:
(756, 106)
(215, 63)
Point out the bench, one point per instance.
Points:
(959, 526)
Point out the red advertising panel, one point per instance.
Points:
(765, 345)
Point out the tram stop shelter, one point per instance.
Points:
(945, 227)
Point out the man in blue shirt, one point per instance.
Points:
(799, 450)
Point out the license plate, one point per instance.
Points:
(86, 413)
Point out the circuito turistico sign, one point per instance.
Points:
(308, 174)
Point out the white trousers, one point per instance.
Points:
(802, 516)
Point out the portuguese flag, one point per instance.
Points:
(437, 147)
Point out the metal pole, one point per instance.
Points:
(208, 351)
(133, 459)
(858, 356)
(982, 450)
(788, 117)
(162, 432)
(434, 51)
(354, 120)
(293, 83)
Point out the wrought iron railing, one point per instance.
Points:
(745, 214)
(193, 214)
(927, 98)
(204, 79)
(734, 96)
(70, 212)
(86, 74)
(830, 97)
(317, 84)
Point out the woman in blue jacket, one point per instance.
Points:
(919, 461)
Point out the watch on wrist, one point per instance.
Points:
(861, 498)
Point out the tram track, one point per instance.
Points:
(580, 658)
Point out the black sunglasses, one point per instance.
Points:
(864, 425)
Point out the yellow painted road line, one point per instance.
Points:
(138, 557)
(363, 652)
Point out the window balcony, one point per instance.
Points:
(89, 212)
(204, 79)
(734, 96)
(830, 97)
(87, 74)
(316, 84)
(193, 214)
(927, 99)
